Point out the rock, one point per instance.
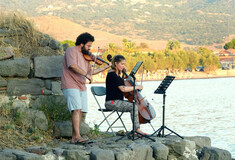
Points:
(3, 83)
(76, 154)
(64, 129)
(40, 150)
(200, 141)
(100, 154)
(20, 87)
(48, 84)
(182, 148)
(17, 67)
(58, 151)
(46, 92)
(12, 154)
(48, 66)
(212, 153)
(4, 33)
(65, 46)
(51, 156)
(19, 103)
(125, 154)
(160, 151)
(31, 118)
(56, 88)
(44, 40)
(53, 44)
(6, 53)
(50, 101)
(142, 151)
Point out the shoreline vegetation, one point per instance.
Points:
(178, 76)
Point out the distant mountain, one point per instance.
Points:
(199, 22)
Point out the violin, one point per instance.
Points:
(146, 111)
(91, 57)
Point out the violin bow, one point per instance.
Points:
(93, 67)
(142, 75)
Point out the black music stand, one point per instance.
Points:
(132, 74)
(162, 90)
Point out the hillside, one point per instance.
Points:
(200, 22)
(63, 29)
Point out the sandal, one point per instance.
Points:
(79, 141)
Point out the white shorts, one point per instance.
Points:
(76, 99)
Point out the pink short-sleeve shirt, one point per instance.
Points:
(69, 78)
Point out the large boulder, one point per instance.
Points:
(31, 118)
(64, 129)
(213, 153)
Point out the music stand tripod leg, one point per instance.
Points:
(162, 90)
(133, 126)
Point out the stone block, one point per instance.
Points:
(100, 154)
(142, 151)
(18, 87)
(18, 67)
(48, 66)
(56, 88)
(76, 154)
(160, 151)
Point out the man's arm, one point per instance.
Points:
(78, 70)
(96, 71)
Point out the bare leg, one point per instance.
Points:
(139, 131)
(76, 122)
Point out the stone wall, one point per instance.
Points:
(20, 76)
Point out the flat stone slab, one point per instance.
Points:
(18, 67)
(18, 87)
(48, 66)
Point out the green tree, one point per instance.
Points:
(230, 45)
(128, 45)
(208, 59)
(193, 59)
(160, 60)
(69, 42)
(173, 45)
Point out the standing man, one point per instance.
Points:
(73, 81)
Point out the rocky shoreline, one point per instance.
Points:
(169, 148)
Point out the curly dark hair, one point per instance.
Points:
(84, 38)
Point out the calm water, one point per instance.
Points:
(201, 107)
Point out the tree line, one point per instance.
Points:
(172, 59)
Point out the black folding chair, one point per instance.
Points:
(101, 91)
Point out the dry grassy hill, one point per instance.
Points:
(64, 29)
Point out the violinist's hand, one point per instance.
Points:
(139, 87)
(89, 77)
